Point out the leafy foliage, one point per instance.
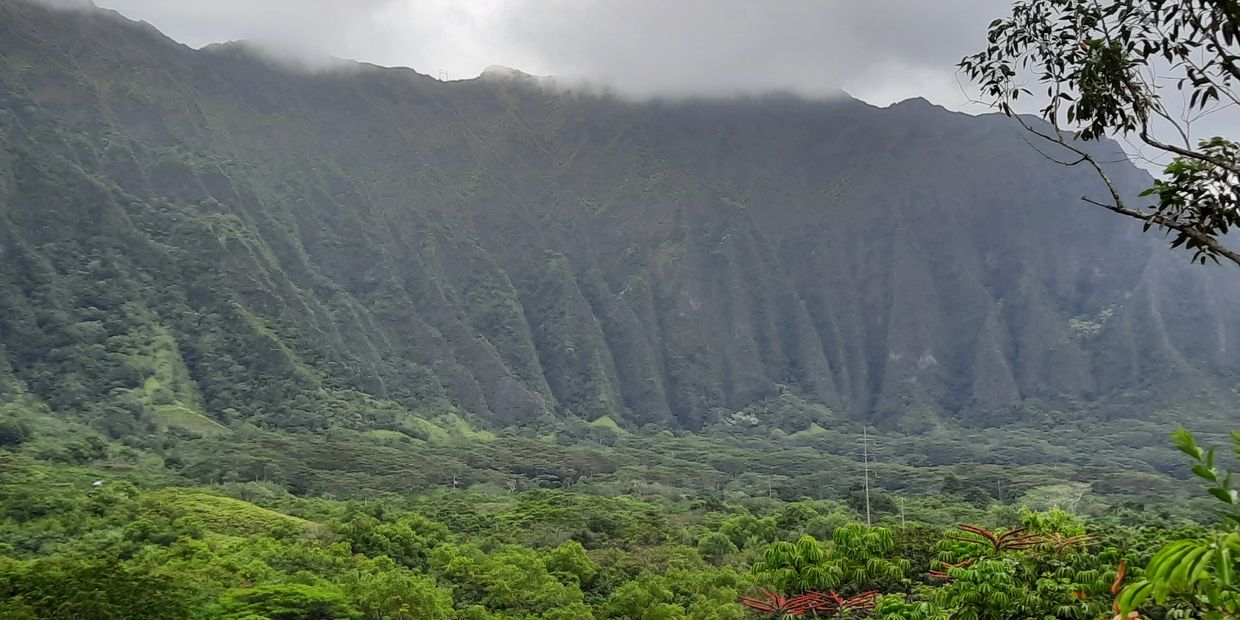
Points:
(997, 542)
(1101, 64)
(1203, 568)
(858, 557)
(286, 602)
(816, 604)
(169, 268)
(252, 549)
(13, 433)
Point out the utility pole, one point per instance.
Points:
(865, 468)
(901, 512)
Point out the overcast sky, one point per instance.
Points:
(879, 50)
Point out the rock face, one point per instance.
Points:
(208, 231)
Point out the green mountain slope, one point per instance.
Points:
(197, 238)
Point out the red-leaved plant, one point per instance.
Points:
(998, 541)
(815, 604)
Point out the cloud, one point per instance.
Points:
(881, 51)
(710, 47)
(637, 47)
(67, 5)
(427, 35)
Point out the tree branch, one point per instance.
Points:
(1231, 13)
(1199, 156)
(1230, 10)
(1117, 204)
(1206, 240)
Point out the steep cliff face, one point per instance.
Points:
(206, 234)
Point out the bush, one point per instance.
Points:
(14, 433)
(288, 601)
(714, 547)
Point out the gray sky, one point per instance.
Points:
(879, 50)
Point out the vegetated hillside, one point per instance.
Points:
(190, 238)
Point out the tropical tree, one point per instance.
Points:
(995, 542)
(898, 607)
(645, 598)
(1206, 568)
(858, 559)
(13, 433)
(570, 559)
(408, 540)
(394, 593)
(715, 546)
(1044, 569)
(814, 604)
(987, 588)
(286, 601)
(66, 588)
(794, 568)
(1144, 71)
(865, 559)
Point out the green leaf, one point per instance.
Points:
(1186, 443)
(1224, 567)
(1133, 596)
(1230, 496)
(1204, 472)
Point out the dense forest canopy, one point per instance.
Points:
(204, 237)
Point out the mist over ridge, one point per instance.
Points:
(640, 50)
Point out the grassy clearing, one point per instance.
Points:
(234, 517)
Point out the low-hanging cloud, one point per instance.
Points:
(714, 47)
(879, 50)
